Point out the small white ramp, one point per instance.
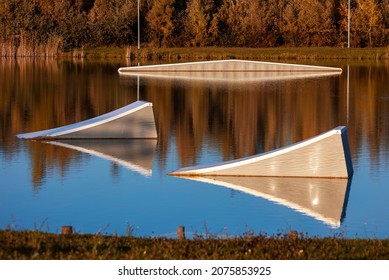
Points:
(135, 120)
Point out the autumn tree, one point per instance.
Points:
(3, 21)
(229, 22)
(261, 23)
(289, 26)
(385, 13)
(69, 24)
(198, 22)
(319, 23)
(161, 23)
(26, 26)
(343, 23)
(309, 23)
(111, 22)
(367, 23)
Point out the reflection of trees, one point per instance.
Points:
(236, 119)
(45, 157)
(41, 94)
(369, 110)
(245, 118)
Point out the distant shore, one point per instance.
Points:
(207, 53)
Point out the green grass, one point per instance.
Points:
(16, 245)
(324, 53)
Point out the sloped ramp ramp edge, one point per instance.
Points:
(326, 155)
(135, 120)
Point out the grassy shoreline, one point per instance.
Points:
(323, 53)
(18, 245)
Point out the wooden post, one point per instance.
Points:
(181, 233)
(293, 234)
(67, 230)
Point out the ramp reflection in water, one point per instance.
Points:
(321, 198)
(134, 154)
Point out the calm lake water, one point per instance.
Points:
(123, 186)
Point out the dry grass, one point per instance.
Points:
(239, 53)
(23, 48)
(37, 245)
(51, 49)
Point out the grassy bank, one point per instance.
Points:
(38, 245)
(238, 53)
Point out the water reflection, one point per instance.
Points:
(198, 122)
(136, 155)
(320, 198)
(236, 120)
(41, 94)
(240, 120)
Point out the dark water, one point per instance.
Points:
(120, 190)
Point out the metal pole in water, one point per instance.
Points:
(348, 92)
(137, 89)
(348, 28)
(138, 25)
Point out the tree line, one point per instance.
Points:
(63, 25)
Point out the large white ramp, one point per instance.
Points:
(230, 70)
(326, 155)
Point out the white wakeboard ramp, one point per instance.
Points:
(230, 70)
(134, 121)
(324, 156)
